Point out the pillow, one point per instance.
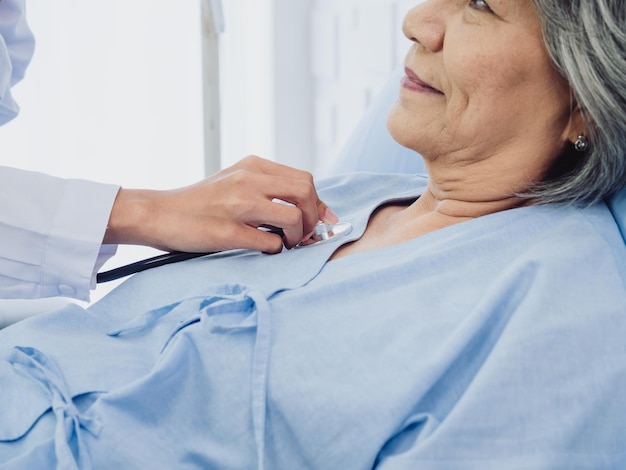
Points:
(617, 205)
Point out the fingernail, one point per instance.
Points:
(330, 216)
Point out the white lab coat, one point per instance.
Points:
(51, 229)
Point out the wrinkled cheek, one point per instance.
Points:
(470, 114)
(483, 98)
(457, 110)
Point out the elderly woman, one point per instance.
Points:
(474, 319)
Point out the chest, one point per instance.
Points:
(394, 224)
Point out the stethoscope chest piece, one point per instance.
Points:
(325, 233)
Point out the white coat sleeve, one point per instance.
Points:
(17, 45)
(51, 230)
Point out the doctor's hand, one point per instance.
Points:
(222, 212)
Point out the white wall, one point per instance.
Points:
(246, 75)
(298, 74)
(356, 46)
(266, 82)
(113, 94)
(114, 90)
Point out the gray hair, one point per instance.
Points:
(587, 43)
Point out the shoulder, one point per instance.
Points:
(573, 253)
(351, 190)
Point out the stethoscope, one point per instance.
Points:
(323, 233)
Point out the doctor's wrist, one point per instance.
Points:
(131, 217)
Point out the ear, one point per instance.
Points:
(576, 125)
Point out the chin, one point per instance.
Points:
(404, 128)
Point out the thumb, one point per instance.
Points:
(326, 214)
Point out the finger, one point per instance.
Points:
(256, 177)
(300, 193)
(326, 214)
(244, 236)
(286, 217)
(311, 216)
(244, 188)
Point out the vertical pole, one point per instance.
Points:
(212, 24)
(294, 100)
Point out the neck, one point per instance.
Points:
(455, 193)
(469, 189)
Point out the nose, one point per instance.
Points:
(425, 25)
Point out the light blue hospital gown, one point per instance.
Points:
(498, 343)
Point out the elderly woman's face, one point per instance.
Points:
(479, 82)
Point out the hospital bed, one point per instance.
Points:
(370, 148)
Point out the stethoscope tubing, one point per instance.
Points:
(323, 233)
(145, 264)
(159, 260)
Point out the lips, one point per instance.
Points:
(412, 82)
